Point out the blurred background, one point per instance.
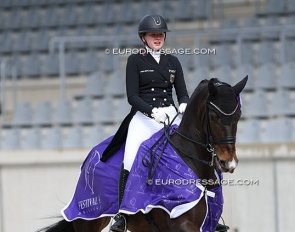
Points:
(61, 94)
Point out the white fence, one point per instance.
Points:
(259, 195)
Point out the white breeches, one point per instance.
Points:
(140, 129)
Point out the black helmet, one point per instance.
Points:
(152, 23)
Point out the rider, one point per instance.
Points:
(150, 78)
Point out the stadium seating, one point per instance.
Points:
(95, 108)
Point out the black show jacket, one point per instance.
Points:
(149, 84)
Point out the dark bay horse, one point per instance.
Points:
(205, 141)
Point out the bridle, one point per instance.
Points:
(210, 141)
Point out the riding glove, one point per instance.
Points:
(159, 115)
(182, 107)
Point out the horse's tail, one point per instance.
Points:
(61, 226)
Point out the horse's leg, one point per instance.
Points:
(137, 223)
(96, 225)
(192, 220)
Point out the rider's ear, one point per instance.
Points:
(212, 88)
(240, 86)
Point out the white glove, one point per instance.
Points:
(158, 115)
(182, 108)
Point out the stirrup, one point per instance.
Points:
(221, 228)
(119, 219)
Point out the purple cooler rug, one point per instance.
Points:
(174, 187)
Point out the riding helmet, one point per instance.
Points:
(152, 23)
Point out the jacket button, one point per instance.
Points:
(152, 89)
(165, 99)
(154, 99)
(164, 90)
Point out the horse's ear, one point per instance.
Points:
(212, 88)
(240, 86)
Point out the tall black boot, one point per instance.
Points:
(121, 219)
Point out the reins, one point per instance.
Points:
(165, 138)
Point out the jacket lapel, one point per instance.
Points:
(149, 59)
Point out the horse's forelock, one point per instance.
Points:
(226, 99)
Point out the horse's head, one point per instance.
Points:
(222, 113)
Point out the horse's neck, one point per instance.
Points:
(202, 170)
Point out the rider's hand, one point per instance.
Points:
(158, 115)
(182, 108)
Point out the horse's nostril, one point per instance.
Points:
(222, 163)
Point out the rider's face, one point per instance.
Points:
(155, 40)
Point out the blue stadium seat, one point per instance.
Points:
(72, 62)
(228, 37)
(252, 22)
(185, 10)
(223, 56)
(94, 136)
(43, 114)
(289, 50)
(50, 17)
(116, 84)
(52, 138)
(249, 132)
(13, 19)
(266, 77)
(73, 139)
(32, 66)
(107, 13)
(291, 7)
(245, 54)
(6, 45)
(69, 15)
(32, 18)
(23, 42)
(270, 35)
(83, 112)
(89, 62)
(278, 130)
(11, 139)
(94, 87)
(281, 104)
(89, 15)
(103, 113)
(50, 65)
(286, 77)
(22, 115)
(266, 53)
(256, 106)
(223, 73)
(107, 63)
(32, 139)
(125, 13)
(275, 7)
(40, 42)
(202, 9)
(62, 115)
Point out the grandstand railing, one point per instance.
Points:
(116, 40)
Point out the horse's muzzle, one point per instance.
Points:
(226, 166)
